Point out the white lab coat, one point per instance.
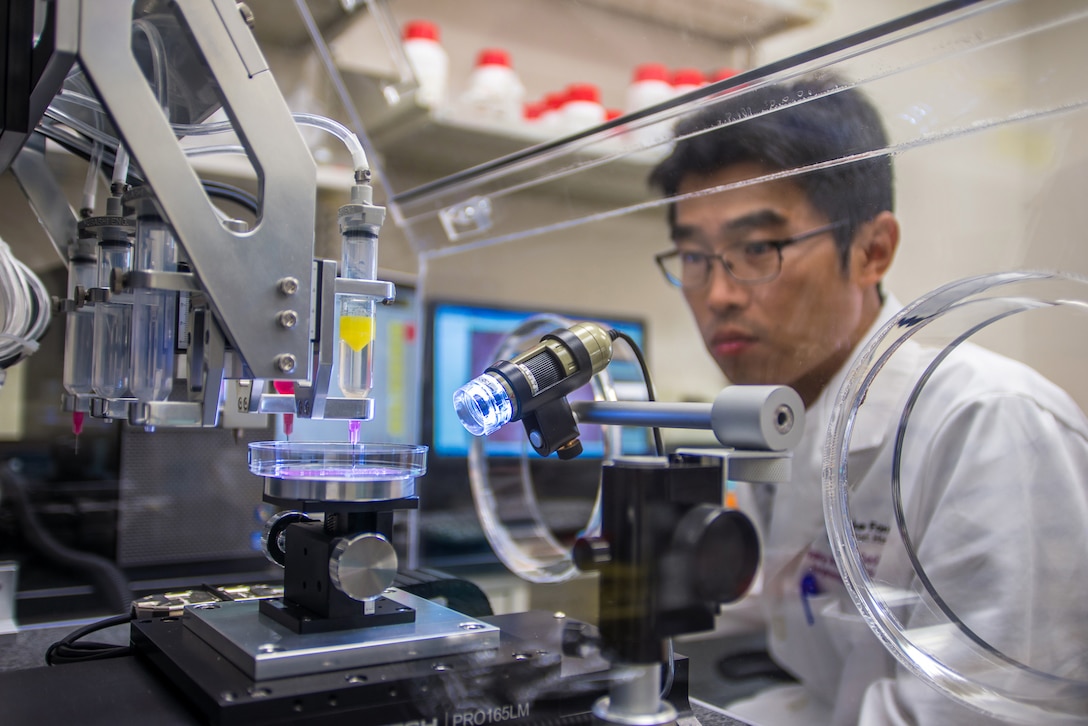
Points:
(996, 501)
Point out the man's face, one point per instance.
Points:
(799, 328)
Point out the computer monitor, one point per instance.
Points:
(464, 340)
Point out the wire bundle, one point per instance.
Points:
(71, 649)
(24, 309)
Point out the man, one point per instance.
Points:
(780, 254)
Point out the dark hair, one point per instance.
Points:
(777, 127)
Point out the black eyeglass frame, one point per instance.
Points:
(778, 246)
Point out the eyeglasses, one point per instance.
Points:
(749, 262)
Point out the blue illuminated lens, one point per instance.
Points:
(483, 405)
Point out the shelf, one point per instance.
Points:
(954, 42)
(414, 142)
(552, 44)
(729, 20)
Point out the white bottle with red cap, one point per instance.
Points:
(429, 61)
(685, 80)
(650, 85)
(582, 108)
(494, 91)
(551, 115)
(724, 73)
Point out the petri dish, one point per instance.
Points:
(977, 584)
(335, 471)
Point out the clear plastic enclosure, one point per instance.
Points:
(942, 77)
(985, 109)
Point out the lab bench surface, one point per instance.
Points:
(123, 690)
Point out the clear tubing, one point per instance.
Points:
(79, 330)
(120, 166)
(80, 99)
(194, 151)
(337, 129)
(340, 131)
(113, 328)
(355, 358)
(24, 307)
(154, 313)
(158, 59)
(89, 131)
(90, 184)
(358, 156)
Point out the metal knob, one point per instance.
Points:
(363, 566)
(274, 537)
(590, 553)
(720, 548)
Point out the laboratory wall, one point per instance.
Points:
(1000, 199)
(970, 204)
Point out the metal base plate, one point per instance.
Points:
(262, 648)
(298, 619)
(525, 680)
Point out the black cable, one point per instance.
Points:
(230, 193)
(81, 147)
(650, 394)
(69, 650)
(106, 575)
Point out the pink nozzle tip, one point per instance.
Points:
(288, 418)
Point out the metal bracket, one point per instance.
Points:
(45, 194)
(9, 575)
(754, 467)
(281, 246)
(158, 280)
(76, 403)
(207, 354)
(166, 413)
(377, 289)
(112, 408)
(467, 218)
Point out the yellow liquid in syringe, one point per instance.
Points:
(357, 331)
(355, 358)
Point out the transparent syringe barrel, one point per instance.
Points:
(355, 354)
(154, 313)
(113, 327)
(78, 372)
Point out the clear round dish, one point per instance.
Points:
(337, 472)
(325, 461)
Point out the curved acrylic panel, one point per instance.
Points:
(508, 509)
(979, 584)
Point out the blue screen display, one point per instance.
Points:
(464, 341)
